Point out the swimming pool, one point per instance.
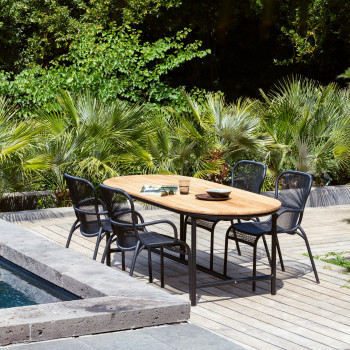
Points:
(19, 287)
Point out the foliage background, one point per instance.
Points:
(252, 43)
(95, 87)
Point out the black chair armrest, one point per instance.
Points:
(86, 200)
(140, 216)
(144, 224)
(101, 202)
(129, 211)
(83, 201)
(289, 210)
(90, 212)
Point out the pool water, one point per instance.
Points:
(19, 287)
(10, 297)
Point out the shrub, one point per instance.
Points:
(110, 64)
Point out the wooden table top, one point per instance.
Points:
(240, 204)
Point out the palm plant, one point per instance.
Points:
(306, 118)
(238, 128)
(176, 145)
(15, 139)
(200, 140)
(232, 130)
(341, 135)
(345, 75)
(196, 126)
(84, 137)
(152, 153)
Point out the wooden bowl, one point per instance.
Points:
(219, 193)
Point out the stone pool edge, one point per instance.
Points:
(112, 300)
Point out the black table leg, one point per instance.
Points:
(193, 286)
(273, 253)
(182, 233)
(108, 261)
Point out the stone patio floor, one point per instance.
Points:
(303, 314)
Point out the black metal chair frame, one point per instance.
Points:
(252, 239)
(143, 237)
(102, 219)
(209, 224)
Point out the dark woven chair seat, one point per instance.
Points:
(206, 224)
(255, 228)
(156, 239)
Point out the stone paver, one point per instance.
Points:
(172, 337)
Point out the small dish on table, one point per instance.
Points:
(208, 197)
(219, 193)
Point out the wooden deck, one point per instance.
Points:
(303, 314)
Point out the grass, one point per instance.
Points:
(335, 259)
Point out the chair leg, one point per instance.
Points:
(303, 235)
(278, 250)
(150, 274)
(267, 250)
(279, 253)
(123, 260)
(107, 235)
(161, 267)
(254, 264)
(108, 243)
(211, 262)
(227, 237)
(237, 243)
(137, 248)
(226, 252)
(74, 227)
(99, 238)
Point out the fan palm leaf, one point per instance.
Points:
(16, 138)
(86, 137)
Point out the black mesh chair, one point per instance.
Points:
(92, 219)
(130, 231)
(292, 188)
(246, 175)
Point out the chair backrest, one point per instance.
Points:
(248, 175)
(123, 216)
(85, 203)
(292, 189)
(79, 188)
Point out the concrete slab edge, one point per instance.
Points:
(112, 300)
(52, 213)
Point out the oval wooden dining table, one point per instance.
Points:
(240, 205)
